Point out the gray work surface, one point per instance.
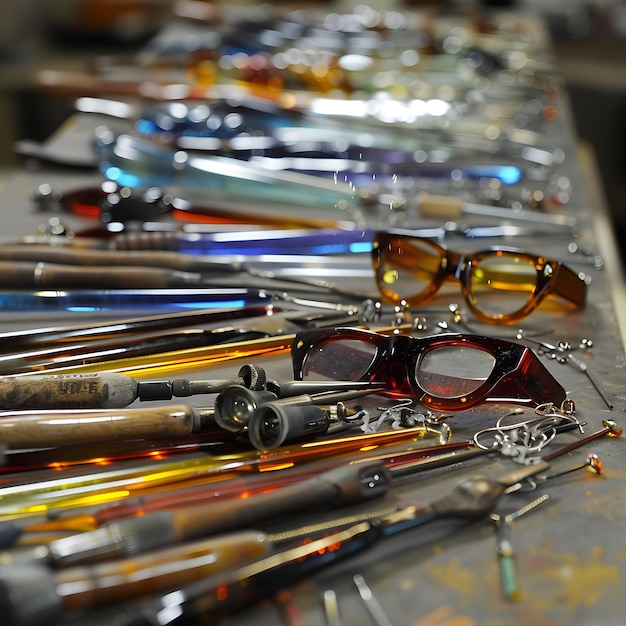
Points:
(571, 551)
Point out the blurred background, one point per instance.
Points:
(589, 38)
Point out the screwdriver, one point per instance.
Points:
(142, 274)
(98, 390)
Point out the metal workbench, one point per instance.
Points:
(571, 551)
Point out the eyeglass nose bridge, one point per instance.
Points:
(454, 264)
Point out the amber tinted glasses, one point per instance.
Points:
(499, 284)
(448, 372)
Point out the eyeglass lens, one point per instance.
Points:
(409, 267)
(339, 359)
(453, 371)
(502, 284)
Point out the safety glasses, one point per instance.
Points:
(499, 284)
(448, 372)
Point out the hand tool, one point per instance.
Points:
(212, 577)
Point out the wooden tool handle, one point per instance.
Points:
(45, 428)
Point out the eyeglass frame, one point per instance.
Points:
(516, 366)
(559, 279)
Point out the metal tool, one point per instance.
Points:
(331, 608)
(504, 547)
(225, 584)
(372, 604)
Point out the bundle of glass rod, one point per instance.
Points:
(376, 161)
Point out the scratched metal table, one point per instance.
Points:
(571, 551)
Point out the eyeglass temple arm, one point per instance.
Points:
(569, 285)
(529, 384)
